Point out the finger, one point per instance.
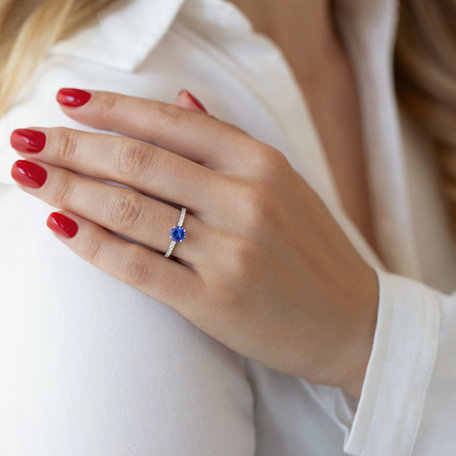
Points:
(187, 101)
(119, 209)
(199, 137)
(161, 278)
(142, 166)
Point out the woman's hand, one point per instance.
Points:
(264, 269)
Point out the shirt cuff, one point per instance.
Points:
(399, 369)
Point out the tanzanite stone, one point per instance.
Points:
(177, 234)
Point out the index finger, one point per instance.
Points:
(199, 137)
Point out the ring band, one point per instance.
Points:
(177, 233)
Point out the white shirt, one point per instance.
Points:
(91, 366)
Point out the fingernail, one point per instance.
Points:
(73, 97)
(61, 224)
(194, 99)
(25, 140)
(28, 173)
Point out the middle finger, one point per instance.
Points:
(119, 209)
(147, 168)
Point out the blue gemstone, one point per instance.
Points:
(177, 234)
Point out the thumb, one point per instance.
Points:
(187, 101)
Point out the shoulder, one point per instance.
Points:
(105, 55)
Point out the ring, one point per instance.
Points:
(177, 233)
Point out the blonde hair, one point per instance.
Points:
(425, 70)
(425, 62)
(28, 28)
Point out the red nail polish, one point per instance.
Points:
(62, 225)
(73, 97)
(195, 100)
(25, 140)
(28, 173)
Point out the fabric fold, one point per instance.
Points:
(138, 24)
(399, 369)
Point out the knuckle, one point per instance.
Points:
(170, 116)
(243, 258)
(250, 147)
(234, 127)
(91, 249)
(125, 211)
(269, 162)
(276, 158)
(107, 104)
(135, 269)
(240, 254)
(133, 160)
(65, 143)
(257, 204)
(66, 192)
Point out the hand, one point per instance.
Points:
(264, 269)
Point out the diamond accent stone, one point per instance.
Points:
(177, 233)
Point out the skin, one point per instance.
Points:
(305, 32)
(310, 313)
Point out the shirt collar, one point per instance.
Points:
(368, 27)
(122, 37)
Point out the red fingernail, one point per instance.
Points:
(62, 225)
(73, 97)
(195, 100)
(25, 140)
(28, 173)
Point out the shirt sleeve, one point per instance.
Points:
(408, 400)
(90, 365)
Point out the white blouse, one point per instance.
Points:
(91, 366)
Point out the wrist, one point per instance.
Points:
(358, 348)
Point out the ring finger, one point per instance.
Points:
(119, 209)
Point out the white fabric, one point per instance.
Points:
(91, 366)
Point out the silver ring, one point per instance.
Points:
(177, 233)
